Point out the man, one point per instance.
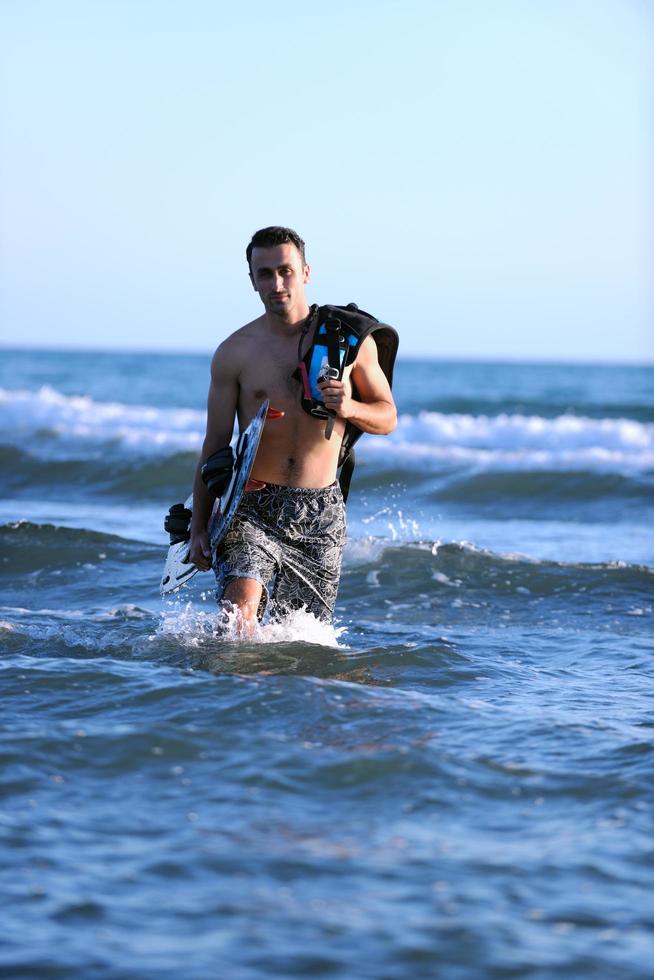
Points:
(289, 530)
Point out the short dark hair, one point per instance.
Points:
(274, 235)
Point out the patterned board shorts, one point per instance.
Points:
(290, 539)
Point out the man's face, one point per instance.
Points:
(279, 275)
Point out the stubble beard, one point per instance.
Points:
(282, 309)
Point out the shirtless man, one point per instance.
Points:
(292, 529)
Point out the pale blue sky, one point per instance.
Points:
(476, 172)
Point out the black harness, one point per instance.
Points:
(338, 332)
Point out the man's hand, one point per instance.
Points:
(336, 397)
(200, 550)
(373, 410)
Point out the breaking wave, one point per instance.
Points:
(408, 565)
(79, 419)
(74, 426)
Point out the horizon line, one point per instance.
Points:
(409, 356)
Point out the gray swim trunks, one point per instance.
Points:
(290, 539)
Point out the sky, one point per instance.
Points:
(478, 174)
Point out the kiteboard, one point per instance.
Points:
(178, 570)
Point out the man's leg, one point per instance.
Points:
(311, 555)
(245, 561)
(245, 595)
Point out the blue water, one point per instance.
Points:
(455, 781)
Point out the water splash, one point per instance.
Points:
(193, 627)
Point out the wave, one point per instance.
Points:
(28, 546)
(78, 427)
(415, 588)
(84, 593)
(476, 485)
(552, 407)
(504, 489)
(124, 476)
(79, 419)
(146, 480)
(466, 567)
(518, 442)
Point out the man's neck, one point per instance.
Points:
(291, 324)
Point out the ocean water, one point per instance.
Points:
(455, 781)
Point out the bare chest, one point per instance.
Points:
(267, 373)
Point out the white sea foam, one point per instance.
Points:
(128, 611)
(516, 442)
(78, 418)
(192, 626)
(501, 441)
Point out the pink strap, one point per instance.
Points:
(302, 368)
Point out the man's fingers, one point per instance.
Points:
(200, 554)
(331, 395)
(332, 391)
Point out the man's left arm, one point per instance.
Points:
(374, 409)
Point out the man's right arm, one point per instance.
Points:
(221, 411)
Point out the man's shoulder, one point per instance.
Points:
(367, 353)
(241, 340)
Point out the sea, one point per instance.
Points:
(454, 781)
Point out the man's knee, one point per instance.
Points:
(245, 594)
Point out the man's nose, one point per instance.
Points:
(278, 282)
